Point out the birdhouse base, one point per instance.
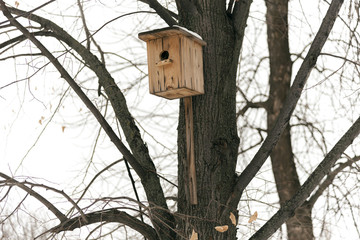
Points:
(177, 93)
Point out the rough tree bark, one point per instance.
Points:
(282, 159)
(215, 129)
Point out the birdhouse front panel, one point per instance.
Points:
(164, 67)
(174, 63)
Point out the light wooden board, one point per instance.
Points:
(190, 153)
(168, 31)
(177, 93)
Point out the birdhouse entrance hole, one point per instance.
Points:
(164, 55)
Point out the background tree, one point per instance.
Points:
(217, 121)
(282, 158)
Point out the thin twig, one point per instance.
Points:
(134, 188)
(291, 101)
(63, 194)
(40, 198)
(31, 11)
(114, 138)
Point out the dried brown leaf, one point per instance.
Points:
(194, 235)
(253, 217)
(41, 119)
(232, 218)
(221, 228)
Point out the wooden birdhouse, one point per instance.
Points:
(175, 62)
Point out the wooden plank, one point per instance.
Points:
(156, 74)
(169, 31)
(187, 62)
(189, 124)
(198, 67)
(172, 74)
(177, 93)
(163, 62)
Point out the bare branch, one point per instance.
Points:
(114, 138)
(287, 210)
(111, 215)
(134, 188)
(330, 178)
(254, 145)
(40, 198)
(343, 58)
(95, 177)
(291, 101)
(15, 209)
(251, 105)
(21, 55)
(31, 11)
(87, 32)
(141, 160)
(240, 15)
(230, 6)
(164, 13)
(89, 38)
(60, 192)
(18, 39)
(174, 15)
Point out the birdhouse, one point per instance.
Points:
(175, 62)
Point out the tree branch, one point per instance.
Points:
(340, 57)
(230, 7)
(141, 160)
(86, 29)
(18, 39)
(191, 7)
(291, 101)
(251, 105)
(75, 205)
(240, 15)
(329, 179)
(31, 11)
(40, 198)
(287, 210)
(111, 215)
(114, 138)
(21, 55)
(164, 13)
(95, 177)
(174, 15)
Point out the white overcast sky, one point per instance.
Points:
(64, 146)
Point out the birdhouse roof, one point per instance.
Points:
(170, 31)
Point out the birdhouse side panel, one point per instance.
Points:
(199, 69)
(156, 74)
(192, 65)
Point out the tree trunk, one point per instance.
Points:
(215, 129)
(282, 159)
